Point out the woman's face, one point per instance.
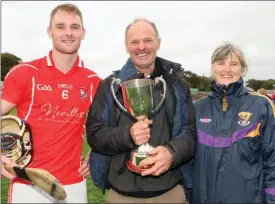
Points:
(228, 70)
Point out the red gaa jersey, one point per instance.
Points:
(54, 104)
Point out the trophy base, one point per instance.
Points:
(137, 169)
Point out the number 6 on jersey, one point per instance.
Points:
(65, 94)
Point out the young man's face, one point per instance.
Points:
(66, 31)
(142, 44)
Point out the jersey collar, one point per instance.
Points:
(50, 62)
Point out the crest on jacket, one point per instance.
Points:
(244, 118)
(83, 93)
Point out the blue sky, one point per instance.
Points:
(190, 31)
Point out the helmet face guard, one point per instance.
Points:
(16, 140)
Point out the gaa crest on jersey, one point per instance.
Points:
(244, 118)
(83, 93)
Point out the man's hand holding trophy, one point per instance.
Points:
(138, 99)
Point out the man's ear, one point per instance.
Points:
(126, 47)
(49, 32)
(158, 43)
(84, 33)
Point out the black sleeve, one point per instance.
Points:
(183, 146)
(102, 136)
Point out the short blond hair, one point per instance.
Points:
(227, 49)
(144, 20)
(70, 8)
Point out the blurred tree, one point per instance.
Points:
(7, 62)
(270, 83)
(254, 84)
(257, 84)
(196, 81)
(203, 82)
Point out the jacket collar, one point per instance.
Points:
(128, 71)
(233, 89)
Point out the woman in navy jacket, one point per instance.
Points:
(235, 158)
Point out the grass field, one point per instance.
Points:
(94, 194)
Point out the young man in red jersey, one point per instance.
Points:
(53, 94)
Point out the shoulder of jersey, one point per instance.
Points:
(90, 73)
(35, 64)
(26, 67)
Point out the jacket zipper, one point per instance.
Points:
(224, 102)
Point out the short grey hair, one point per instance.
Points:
(141, 19)
(227, 49)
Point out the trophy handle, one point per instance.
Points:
(163, 96)
(113, 92)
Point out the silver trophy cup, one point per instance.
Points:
(138, 101)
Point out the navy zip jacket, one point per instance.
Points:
(235, 158)
(108, 139)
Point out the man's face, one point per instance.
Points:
(228, 70)
(262, 91)
(142, 45)
(66, 31)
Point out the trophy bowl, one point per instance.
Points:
(138, 101)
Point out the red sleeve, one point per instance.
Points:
(14, 84)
